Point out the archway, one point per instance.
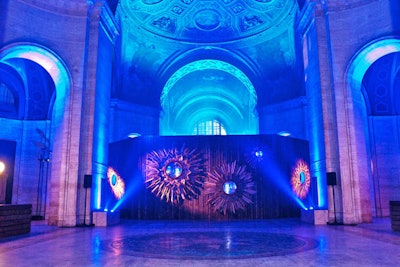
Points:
(206, 91)
(55, 132)
(381, 186)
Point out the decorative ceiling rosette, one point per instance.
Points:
(175, 175)
(300, 179)
(230, 188)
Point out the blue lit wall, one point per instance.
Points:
(101, 126)
(313, 116)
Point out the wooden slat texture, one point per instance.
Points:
(395, 215)
(15, 219)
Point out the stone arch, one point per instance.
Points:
(11, 78)
(356, 111)
(60, 122)
(210, 94)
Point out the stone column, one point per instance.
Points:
(343, 28)
(97, 83)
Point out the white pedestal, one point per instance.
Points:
(105, 218)
(316, 217)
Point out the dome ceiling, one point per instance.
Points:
(208, 21)
(158, 37)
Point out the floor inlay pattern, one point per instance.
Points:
(210, 245)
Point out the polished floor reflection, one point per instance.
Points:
(285, 242)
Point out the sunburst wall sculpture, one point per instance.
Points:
(230, 188)
(116, 183)
(300, 179)
(175, 175)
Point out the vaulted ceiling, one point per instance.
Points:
(161, 36)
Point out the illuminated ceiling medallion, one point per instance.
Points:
(175, 175)
(230, 188)
(300, 179)
(116, 183)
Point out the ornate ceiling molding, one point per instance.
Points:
(204, 21)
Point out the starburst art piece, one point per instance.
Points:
(116, 182)
(230, 188)
(175, 175)
(300, 179)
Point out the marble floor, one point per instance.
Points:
(283, 242)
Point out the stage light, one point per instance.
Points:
(259, 154)
(271, 167)
(255, 157)
(134, 135)
(284, 133)
(2, 167)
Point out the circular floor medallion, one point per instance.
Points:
(210, 245)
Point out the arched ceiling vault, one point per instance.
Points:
(257, 34)
(209, 66)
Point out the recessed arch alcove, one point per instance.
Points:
(208, 90)
(372, 92)
(12, 94)
(51, 63)
(46, 124)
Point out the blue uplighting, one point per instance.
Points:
(133, 187)
(271, 168)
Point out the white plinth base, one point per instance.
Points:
(316, 217)
(105, 218)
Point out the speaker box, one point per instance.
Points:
(87, 181)
(331, 178)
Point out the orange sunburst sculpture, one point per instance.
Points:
(300, 179)
(116, 182)
(230, 188)
(175, 175)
